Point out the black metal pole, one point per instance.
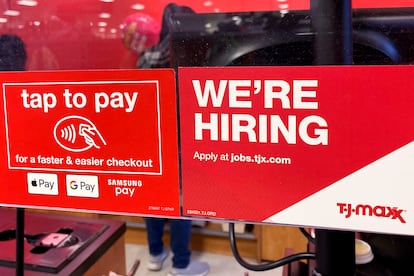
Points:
(332, 23)
(19, 242)
(335, 253)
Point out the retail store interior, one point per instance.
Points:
(220, 264)
(89, 29)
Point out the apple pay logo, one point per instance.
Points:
(42, 183)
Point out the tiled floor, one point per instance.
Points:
(220, 265)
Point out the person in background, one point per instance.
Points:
(13, 54)
(157, 56)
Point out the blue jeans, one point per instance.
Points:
(180, 231)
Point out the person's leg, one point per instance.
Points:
(158, 254)
(180, 242)
(180, 245)
(155, 231)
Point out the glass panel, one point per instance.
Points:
(90, 34)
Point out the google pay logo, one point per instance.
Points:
(73, 185)
(82, 185)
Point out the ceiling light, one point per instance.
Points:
(11, 13)
(3, 20)
(138, 7)
(28, 3)
(107, 1)
(208, 3)
(102, 24)
(105, 15)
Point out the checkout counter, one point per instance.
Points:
(63, 245)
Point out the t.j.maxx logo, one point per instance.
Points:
(349, 209)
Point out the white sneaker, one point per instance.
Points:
(193, 269)
(155, 262)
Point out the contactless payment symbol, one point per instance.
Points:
(77, 134)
